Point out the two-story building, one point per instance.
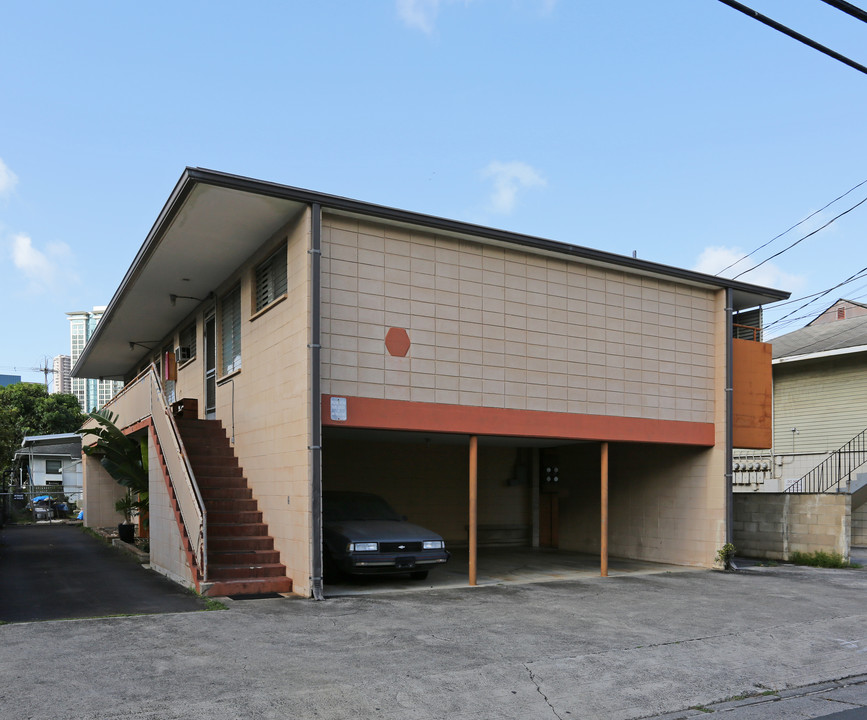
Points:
(446, 366)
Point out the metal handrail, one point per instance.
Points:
(191, 505)
(840, 464)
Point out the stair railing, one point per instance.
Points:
(140, 399)
(190, 502)
(839, 465)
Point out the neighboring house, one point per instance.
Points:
(50, 461)
(842, 309)
(490, 385)
(820, 396)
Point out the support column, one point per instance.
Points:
(474, 482)
(603, 559)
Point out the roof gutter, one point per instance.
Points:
(819, 355)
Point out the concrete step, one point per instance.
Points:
(216, 530)
(239, 543)
(253, 557)
(230, 517)
(219, 571)
(249, 586)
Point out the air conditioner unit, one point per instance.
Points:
(182, 353)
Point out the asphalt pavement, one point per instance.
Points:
(764, 642)
(54, 572)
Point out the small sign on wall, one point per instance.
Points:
(338, 409)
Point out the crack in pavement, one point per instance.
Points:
(539, 690)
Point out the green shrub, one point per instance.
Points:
(820, 558)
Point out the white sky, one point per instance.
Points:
(682, 130)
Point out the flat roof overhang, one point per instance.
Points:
(213, 222)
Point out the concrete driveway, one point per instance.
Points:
(52, 572)
(620, 647)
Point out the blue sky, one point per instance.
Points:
(680, 130)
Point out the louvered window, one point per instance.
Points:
(271, 279)
(188, 341)
(230, 327)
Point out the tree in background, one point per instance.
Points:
(28, 409)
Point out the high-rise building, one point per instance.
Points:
(92, 394)
(62, 378)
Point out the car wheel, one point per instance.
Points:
(419, 575)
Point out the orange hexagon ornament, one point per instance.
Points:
(397, 342)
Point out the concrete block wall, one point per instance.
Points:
(773, 525)
(503, 328)
(429, 482)
(167, 555)
(859, 526)
(265, 406)
(659, 509)
(101, 492)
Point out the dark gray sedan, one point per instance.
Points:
(364, 536)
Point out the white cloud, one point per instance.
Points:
(713, 259)
(45, 270)
(422, 14)
(8, 179)
(419, 14)
(508, 178)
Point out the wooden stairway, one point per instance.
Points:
(241, 555)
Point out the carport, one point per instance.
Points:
(504, 502)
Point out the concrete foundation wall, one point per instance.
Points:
(773, 525)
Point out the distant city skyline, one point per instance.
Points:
(92, 393)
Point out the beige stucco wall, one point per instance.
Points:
(101, 492)
(773, 525)
(497, 327)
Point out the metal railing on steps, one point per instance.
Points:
(836, 468)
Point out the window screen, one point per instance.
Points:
(271, 279)
(53, 467)
(230, 328)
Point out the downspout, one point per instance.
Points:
(316, 399)
(729, 401)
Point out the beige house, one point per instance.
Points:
(493, 386)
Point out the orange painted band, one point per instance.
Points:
(376, 414)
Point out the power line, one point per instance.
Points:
(795, 35)
(800, 240)
(801, 222)
(848, 8)
(855, 276)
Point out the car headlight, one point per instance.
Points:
(363, 547)
(433, 545)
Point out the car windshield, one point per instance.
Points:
(356, 506)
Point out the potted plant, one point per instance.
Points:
(125, 458)
(126, 506)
